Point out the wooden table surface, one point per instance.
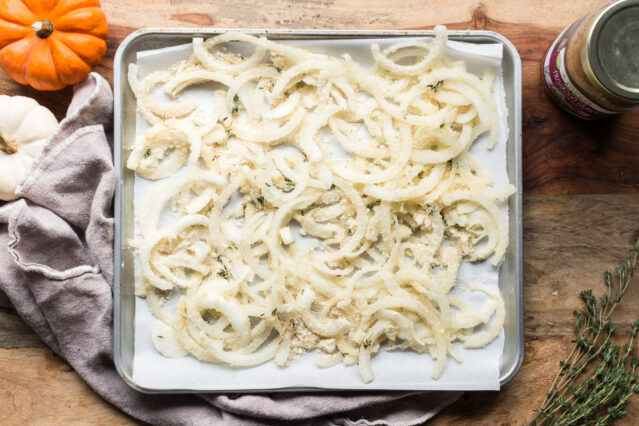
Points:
(581, 195)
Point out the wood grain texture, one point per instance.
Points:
(569, 241)
(512, 404)
(15, 333)
(39, 388)
(572, 233)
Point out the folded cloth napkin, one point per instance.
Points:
(56, 254)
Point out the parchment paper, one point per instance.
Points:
(396, 370)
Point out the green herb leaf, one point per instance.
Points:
(595, 382)
(435, 87)
(289, 185)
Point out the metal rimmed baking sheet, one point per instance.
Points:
(510, 277)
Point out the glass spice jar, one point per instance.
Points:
(592, 69)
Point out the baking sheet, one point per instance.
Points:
(393, 370)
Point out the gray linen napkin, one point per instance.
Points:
(56, 253)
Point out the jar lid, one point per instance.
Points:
(612, 49)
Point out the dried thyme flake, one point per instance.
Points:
(435, 87)
(289, 185)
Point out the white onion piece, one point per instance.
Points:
(209, 61)
(436, 47)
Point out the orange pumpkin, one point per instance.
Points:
(50, 44)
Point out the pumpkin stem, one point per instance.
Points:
(8, 145)
(43, 29)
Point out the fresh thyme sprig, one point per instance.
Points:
(607, 372)
(224, 272)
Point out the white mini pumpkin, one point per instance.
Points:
(25, 127)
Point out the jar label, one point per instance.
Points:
(566, 93)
